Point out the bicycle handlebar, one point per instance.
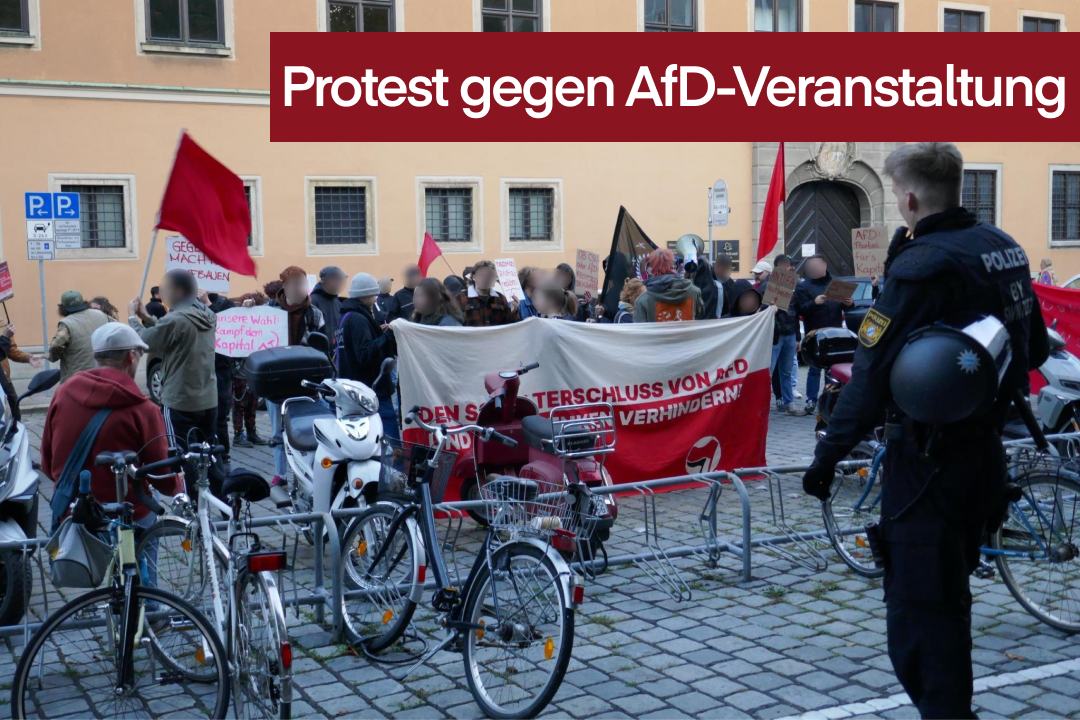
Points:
(526, 368)
(485, 433)
(172, 463)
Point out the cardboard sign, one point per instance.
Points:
(7, 291)
(181, 254)
(870, 247)
(241, 331)
(508, 278)
(588, 273)
(840, 290)
(780, 289)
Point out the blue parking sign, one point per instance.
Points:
(66, 205)
(39, 206)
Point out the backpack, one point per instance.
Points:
(670, 312)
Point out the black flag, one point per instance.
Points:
(629, 248)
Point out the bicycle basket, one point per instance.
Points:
(532, 507)
(404, 465)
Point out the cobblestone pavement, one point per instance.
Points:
(794, 640)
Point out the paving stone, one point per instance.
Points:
(749, 700)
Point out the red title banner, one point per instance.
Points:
(669, 87)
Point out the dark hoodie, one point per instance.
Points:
(185, 341)
(828, 314)
(134, 424)
(738, 289)
(669, 298)
(361, 343)
(330, 307)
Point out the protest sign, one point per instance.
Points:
(242, 331)
(870, 247)
(588, 273)
(507, 271)
(7, 291)
(840, 290)
(780, 289)
(183, 255)
(687, 397)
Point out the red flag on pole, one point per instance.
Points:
(205, 202)
(428, 254)
(770, 218)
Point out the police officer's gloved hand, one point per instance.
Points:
(818, 480)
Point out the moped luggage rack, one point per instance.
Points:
(574, 436)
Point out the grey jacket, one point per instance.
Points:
(185, 341)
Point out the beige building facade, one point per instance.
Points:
(93, 95)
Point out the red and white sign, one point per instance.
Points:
(1064, 306)
(588, 273)
(507, 271)
(182, 254)
(688, 397)
(7, 291)
(242, 331)
(870, 249)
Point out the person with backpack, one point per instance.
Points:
(668, 297)
(363, 347)
(632, 290)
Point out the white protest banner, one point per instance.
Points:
(688, 397)
(588, 273)
(780, 289)
(870, 248)
(508, 278)
(242, 331)
(183, 255)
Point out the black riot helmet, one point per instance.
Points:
(951, 371)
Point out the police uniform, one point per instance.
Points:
(942, 484)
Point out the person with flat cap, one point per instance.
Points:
(945, 476)
(71, 344)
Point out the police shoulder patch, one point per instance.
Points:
(873, 327)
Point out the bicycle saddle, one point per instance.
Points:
(123, 457)
(249, 484)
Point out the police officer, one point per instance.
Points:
(944, 483)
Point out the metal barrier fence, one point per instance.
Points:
(709, 550)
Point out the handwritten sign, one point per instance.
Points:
(242, 331)
(780, 289)
(183, 255)
(508, 278)
(588, 273)
(840, 290)
(7, 291)
(870, 247)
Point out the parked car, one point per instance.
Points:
(1073, 283)
(864, 299)
(153, 377)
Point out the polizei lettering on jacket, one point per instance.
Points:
(1008, 259)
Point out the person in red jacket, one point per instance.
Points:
(135, 422)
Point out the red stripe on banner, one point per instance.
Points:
(762, 86)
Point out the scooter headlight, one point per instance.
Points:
(366, 402)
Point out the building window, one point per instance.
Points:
(102, 211)
(963, 21)
(510, 15)
(341, 216)
(1065, 206)
(1037, 24)
(532, 215)
(360, 16)
(670, 16)
(777, 15)
(253, 193)
(449, 213)
(872, 16)
(189, 22)
(14, 17)
(980, 194)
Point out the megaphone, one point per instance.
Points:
(690, 246)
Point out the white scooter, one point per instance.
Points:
(18, 500)
(1058, 409)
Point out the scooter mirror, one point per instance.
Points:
(319, 341)
(42, 381)
(507, 374)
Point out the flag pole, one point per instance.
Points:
(149, 257)
(452, 270)
(157, 218)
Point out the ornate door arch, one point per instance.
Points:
(823, 213)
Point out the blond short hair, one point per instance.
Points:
(934, 171)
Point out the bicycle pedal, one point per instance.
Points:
(984, 573)
(170, 678)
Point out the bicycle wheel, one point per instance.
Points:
(516, 662)
(70, 667)
(846, 514)
(392, 587)
(262, 656)
(1040, 560)
(171, 558)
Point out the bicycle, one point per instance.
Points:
(244, 602)
(1035, 543)
(101, 653)
(513, 618)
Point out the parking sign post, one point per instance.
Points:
(44, 211)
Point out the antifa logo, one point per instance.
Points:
(704, 457)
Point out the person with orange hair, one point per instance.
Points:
(668, 296)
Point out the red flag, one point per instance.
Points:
(205, 202)
(428, 253)
(770, 218)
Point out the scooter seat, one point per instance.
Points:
(300, 420)
(841, 373)
(246, 483)
(536, 430)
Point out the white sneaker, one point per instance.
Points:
(798, 395)
(793, 410)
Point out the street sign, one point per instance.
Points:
(7, 291)
(39, 229)
(66, 205)
(40, 250)
(39, 206)
(718, 204)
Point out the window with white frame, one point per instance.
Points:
(981, 192)
(778, 15)
(19, 23)
(107, 214)
(876, 16)
(253, 194)
(341, 216)
(511, 15)
(185, 27)
(670, 16)
(1064, 205)
(532, 215)
(963, 17)
(361, 16)
(449, 209)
